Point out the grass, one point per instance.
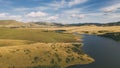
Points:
(9, 42)
(42, 55)
(35, 35)
(36, 48)
(45, 47)
(88, 29)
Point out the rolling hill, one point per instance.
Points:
(49, 23)
(16, 24)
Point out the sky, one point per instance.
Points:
(61, 11)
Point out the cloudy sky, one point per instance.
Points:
(61, 11)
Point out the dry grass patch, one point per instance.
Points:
(10, 42)
(42, 54)
(87, 29)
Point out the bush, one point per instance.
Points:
(77, 45)
(27, 51)
(68, 60)
(52, 61)
(77, 50)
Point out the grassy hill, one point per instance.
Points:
(16, 24)
(9, 22)
(48, 23)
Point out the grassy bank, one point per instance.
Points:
(43, 55)
(114, 35)
(38, 48)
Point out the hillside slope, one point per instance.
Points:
(16, 24)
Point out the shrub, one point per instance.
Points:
(52, 61)
(68, 60)
(27, 51)
(77, 50)
(77, 45)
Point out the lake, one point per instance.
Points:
(105, 51)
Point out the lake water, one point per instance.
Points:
(106, 52)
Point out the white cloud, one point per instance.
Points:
(111, 8)
(99, 18)
(57, 5)
(72, 11)
(76, 2)
(90, 18)
(113, 15)
(26, 9)
(78, 16)
(7, 16)
(65, 18)
(15, 17)
(21, 9)
(65, 4)
(3, 14)
(37, 14)
(51, 18)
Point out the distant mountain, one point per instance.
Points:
(113, 24)
(97, 24)
(84, 24)
(16, 24)
(48, 23)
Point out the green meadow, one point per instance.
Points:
(39, 48)
(35, 35)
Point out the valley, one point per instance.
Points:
(48, 46)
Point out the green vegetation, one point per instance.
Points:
(77, 49)
(113, 35)
(30, 45)
(9, 22)
(60, 31)
(35, 35)
(37, 48)
(11, 42)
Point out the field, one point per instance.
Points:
(88, 29)
(59, 33)
(42, 55)
(40, 48)
(36, 35)
(51, 47)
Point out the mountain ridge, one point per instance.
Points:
(18, 24)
